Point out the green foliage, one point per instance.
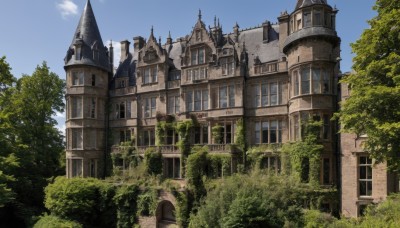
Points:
(216, 132)
(147, 202)
(28, 133)
(184, 207)
(183, 129)
(153, 161)
(302, 158)
(255, 200)
(84, 200)
(373, 108)
(317, 219)
(53, 221)
(195, 170)
(125, 200)
(218, 165)
(161, 128)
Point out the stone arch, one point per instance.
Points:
(165, 214)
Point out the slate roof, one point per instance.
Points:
(87, 33)
(255, 47)
(305, 3)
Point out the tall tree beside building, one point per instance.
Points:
(28, 134)
(373, 107)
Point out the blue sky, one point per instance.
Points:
(42, 30)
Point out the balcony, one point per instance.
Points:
(223, 148)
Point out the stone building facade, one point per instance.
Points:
(273, 76)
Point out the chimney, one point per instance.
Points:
(169, 39)
(111, 57)
(283, 28)
(138, 43)
(124, 50)
(266, 27)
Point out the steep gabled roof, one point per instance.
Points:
(88, 35)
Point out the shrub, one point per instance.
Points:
(153, 161)
(54, 221)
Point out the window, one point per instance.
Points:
(226, 133)
(269, 131)
(124, 136)
(271, 94)
(171, 137)
(296, 124)
(122, 110)
(122, 83)
(227, 66)
(266, 68)
(317, 17)
(77, 138)
(226, 96)
(149, 138)
(307, 18)
(150, 75)
(325, 127)
(172, 167)
(320, 80)
(93, 168)
(77, 78)
(198, 98)
(128, 109)
(76, 107)
(196, 74)
(305, 80)
(200, 134)
(93, 80)
(76, 167)
(197, 56)
(223, 93)
(365, 176)
(78, 53)
(149, 107)
(93, 108)
(173, 104)
(271, 163)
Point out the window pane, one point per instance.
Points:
(363, 186)
(223, 97)
(307, 18)
(256, 90)
(197, 100)
(153, 107)
(194, 57)
(305, 80)
(326, 81)
(201, 56)
(76, 167)
(231, 96)
(154, 74)
(177, 104)
(189, 101)
(257, 132)
(274, 93)
(205, 134)
(147, 76)
(205, 99)
(273, 129)
(316, 75)
(265, 126)
(264, 94)
(170, 109)
(296, 83)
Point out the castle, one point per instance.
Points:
(273, 77)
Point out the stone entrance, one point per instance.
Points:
(165, 215)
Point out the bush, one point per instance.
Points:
(153, 161)
(316, 219)
(83, 200)
(53, 221)
(126, 202)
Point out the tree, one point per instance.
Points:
(29, 137)
(373, 107)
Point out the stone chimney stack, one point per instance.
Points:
(124, 50)
(138, 43)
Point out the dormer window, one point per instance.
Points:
(307, 19)
(78, 52)
(227, 66)
(197, 56)
(317, 17)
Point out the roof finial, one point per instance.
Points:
(151, 31)
(215, 21)
(110, 40)
(218, 22)
(159, 39)
(199, 14)
(169, 34)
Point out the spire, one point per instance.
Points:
(87, 35)
(199, 14)
(152, 31)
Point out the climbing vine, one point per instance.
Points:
(153, 161)
(183, 128)
(216, 132)
(302, 158)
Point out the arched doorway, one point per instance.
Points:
(165, 215)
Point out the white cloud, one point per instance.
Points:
(61, 128)
(117, 51)
(67, 8)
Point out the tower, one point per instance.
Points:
(88, 71)
(312, 48)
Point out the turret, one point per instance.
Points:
(88, 68)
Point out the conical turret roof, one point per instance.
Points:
(304, 3)
(87, 36)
